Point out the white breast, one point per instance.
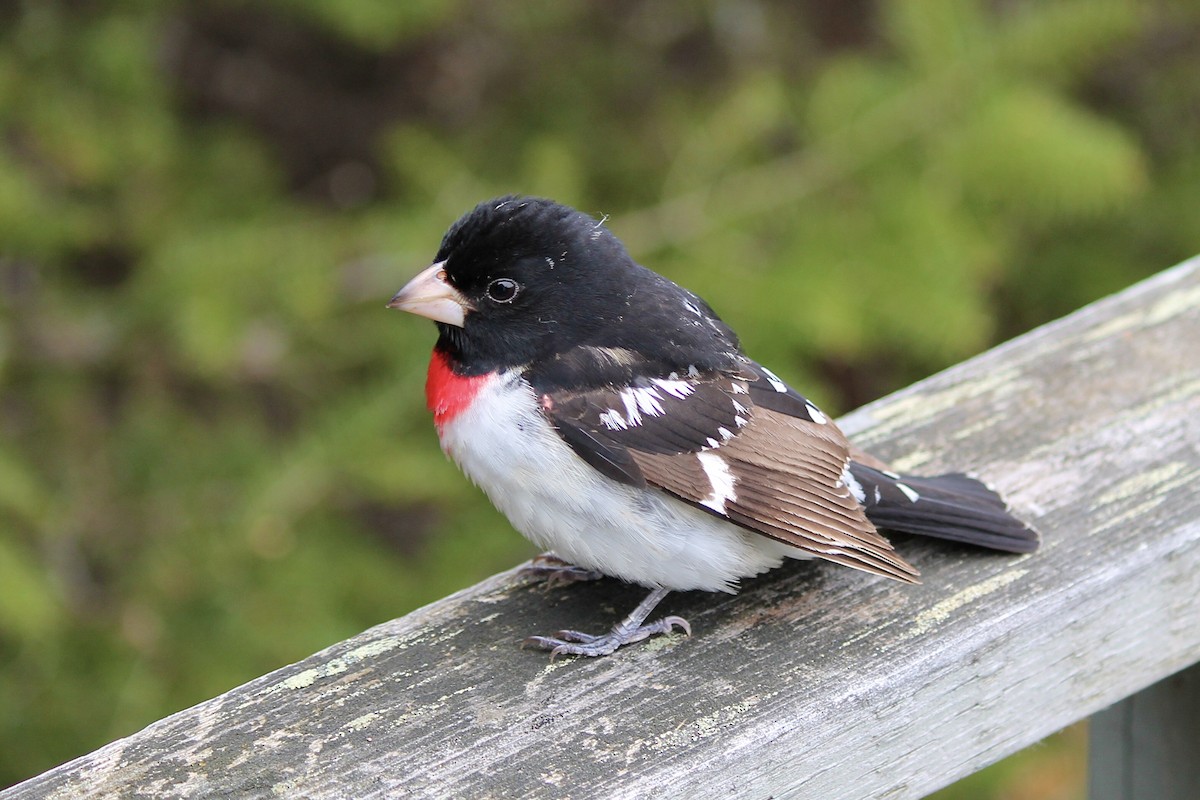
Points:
(506, 446)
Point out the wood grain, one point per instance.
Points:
(816, 681)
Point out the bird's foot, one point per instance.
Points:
(630, 629)
(577, 643)
(556, 572)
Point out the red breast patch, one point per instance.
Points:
(448, 394)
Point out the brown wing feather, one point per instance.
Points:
(787, 484)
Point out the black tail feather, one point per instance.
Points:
(955, 507)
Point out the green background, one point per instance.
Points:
(214, 455)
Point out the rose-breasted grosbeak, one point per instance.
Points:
(613, 418)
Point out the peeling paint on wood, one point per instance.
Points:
(816, 681)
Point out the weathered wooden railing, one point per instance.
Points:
(816, 681)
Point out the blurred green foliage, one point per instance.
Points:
(214, 458)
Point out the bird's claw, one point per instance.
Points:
(555, 572)
(577, 643)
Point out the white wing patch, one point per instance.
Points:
(721, 480)
(815, 414)
(613, 420)
(675, 387)
(775, 382)
(638, 401)
(632, 415)
(647, 401)
(739, 414)
(854, 486)
(909, 492)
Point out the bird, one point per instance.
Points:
(612, 416)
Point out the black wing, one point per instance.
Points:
(738, 443)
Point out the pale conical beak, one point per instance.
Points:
(429, 295)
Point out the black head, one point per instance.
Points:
(519, 281)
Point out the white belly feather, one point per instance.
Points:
(560, 503)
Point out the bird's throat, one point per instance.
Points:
(448, 394)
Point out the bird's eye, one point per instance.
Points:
(502, 290)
